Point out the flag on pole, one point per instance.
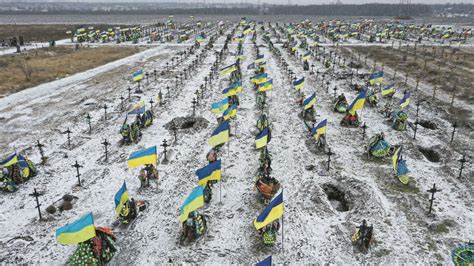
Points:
(138, 108)
(219, 107)
(405, 100)
(261, 140)
(209, 172)
(273, 211)
(319, 129)
(266, 86)
(376, 78)
(358, 102)
(388, 90)
(298, 84)
(307, 55)
(138, 75)
(142, 157)
(120, 198)
(77, 232)
(194, 201)
(220, 134)
(310, 101)
(228, 69)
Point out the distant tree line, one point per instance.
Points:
(308, 10)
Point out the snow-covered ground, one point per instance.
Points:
(314, 231)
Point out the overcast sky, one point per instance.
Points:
(300, 2)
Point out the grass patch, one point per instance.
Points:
(21, 71)
(443, 227)
(439, 70)
(410, 188)
(382, 252)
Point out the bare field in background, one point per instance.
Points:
(43, 32)
(433, 65)
(21, 71)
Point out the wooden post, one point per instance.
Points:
(462, 161)
(329, 153)
(36, 195)
(105, 143)
(78, 175)
(454, 130)
(68, 132)
(40, 147)
(432, 191)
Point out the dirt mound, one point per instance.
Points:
(187, 122)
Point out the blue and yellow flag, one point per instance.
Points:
(376, 78)
(266, 86)
(260, 59)
(310, 101)
(261, 140)
(233, 89)
(200, 38)
(230, 112)
(358, 102)
(141, 157)
(405, 100)
(307, 56)
(388, 90)
(319, 129)
(12, 159)
(265, 262)
(138, 75)
(120, 198)
(209, 172)
(260, 78)
(23, 164)
(298, 84)
(273, 211)
(220, 134)
(194, 201)
(228, 69)
(396, 158)
(77, 232)
(138, 108)
(219, 107)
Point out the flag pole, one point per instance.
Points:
(282, 229)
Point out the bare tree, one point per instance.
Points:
(25, 68)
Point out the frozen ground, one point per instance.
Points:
(314, 230)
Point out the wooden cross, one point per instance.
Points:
(194, 102)
(455, 125)
(462, 161)
(364, 127)
(433, 190)
(105, 143)
(36, 195)
(129, 93)
(164, 145)
(78, 175)
(329, 153)
(68, 132)
(40, 147)
(105, 111)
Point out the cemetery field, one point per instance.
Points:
(42, 32)
(47, 64)
(220, 86)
